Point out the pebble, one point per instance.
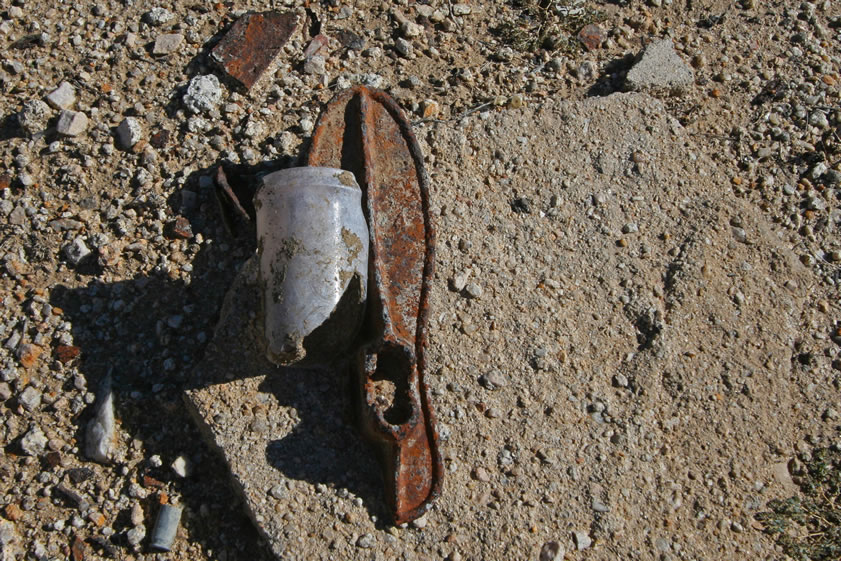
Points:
(30, 398)
(366, 541)
(181, 467)
(34, 442)
(76, 251)
(473, 290)
(136, 535)
(34, 116)
(203, 94)
(72, 123)
(101, 431)
(481, 474)
(582, 540)
(167, 43)
(493, 380)
(129, 132)
(5, 391)
(315, 65)
(552, 551)
(410, 29)
(136, 514)
(630, 228)
(620, 380)
(158, 16)
(63, 97)
(403, 48)
(461, 9)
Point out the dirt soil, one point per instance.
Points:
(634, 321)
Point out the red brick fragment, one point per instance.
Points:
(592, 36)
(66, 353)
(28, 354)
(77, 550)
(252, 43)
(180, 229)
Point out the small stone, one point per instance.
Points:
(473, 290)
(420, 522)
(8, 537)
(461, 9)
(13, 512)
(315, 65)
(76, 251)
(493, 380)
(181, 467)
(5, 391)
(620, 381)
(459, 281)
(136, 514)
(366, 541)
(403, 48)
(72, 123)
(203, 94)
(28, 354)
(158, 16)
(739, 234)
(481, 474)
(33, 442)
(34, 116)
(630, 228)
(278, 492)
(30, 398)
(660, 68)
(136, 535)
(63, 97)
(582, 540)
(552, 551)
(129, 132)
(429, 108)
(179, 229)
(410, 29)
(167, 43)
(101, 432)
(592, 36)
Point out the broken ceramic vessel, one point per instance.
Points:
(313, 254)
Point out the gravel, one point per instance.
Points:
(692, 333)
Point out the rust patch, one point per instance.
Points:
(252, 44)
(364, 131)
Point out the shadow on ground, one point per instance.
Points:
(150, 332)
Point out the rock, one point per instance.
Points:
(473, 290)
(315, 65)
(10, 548)
(493, 380)
(33, 442)
(410, 29)
(76, 251)
(203, 94)
(63, 97)
(181, 467)
(552, 551)
(30, 398)
(582, 540)
(158, 16)
(366, 541)
(136, 535)
(129, 132)
(136, 514)
(660, 69)
(5, 391)
(461, 9)
(33, 117)
(403, 47)
(71, 123)
(251, 45)
(101, 434)
(592, 36)
(167, 43)
(28, 354)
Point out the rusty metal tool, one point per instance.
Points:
(364, 131)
